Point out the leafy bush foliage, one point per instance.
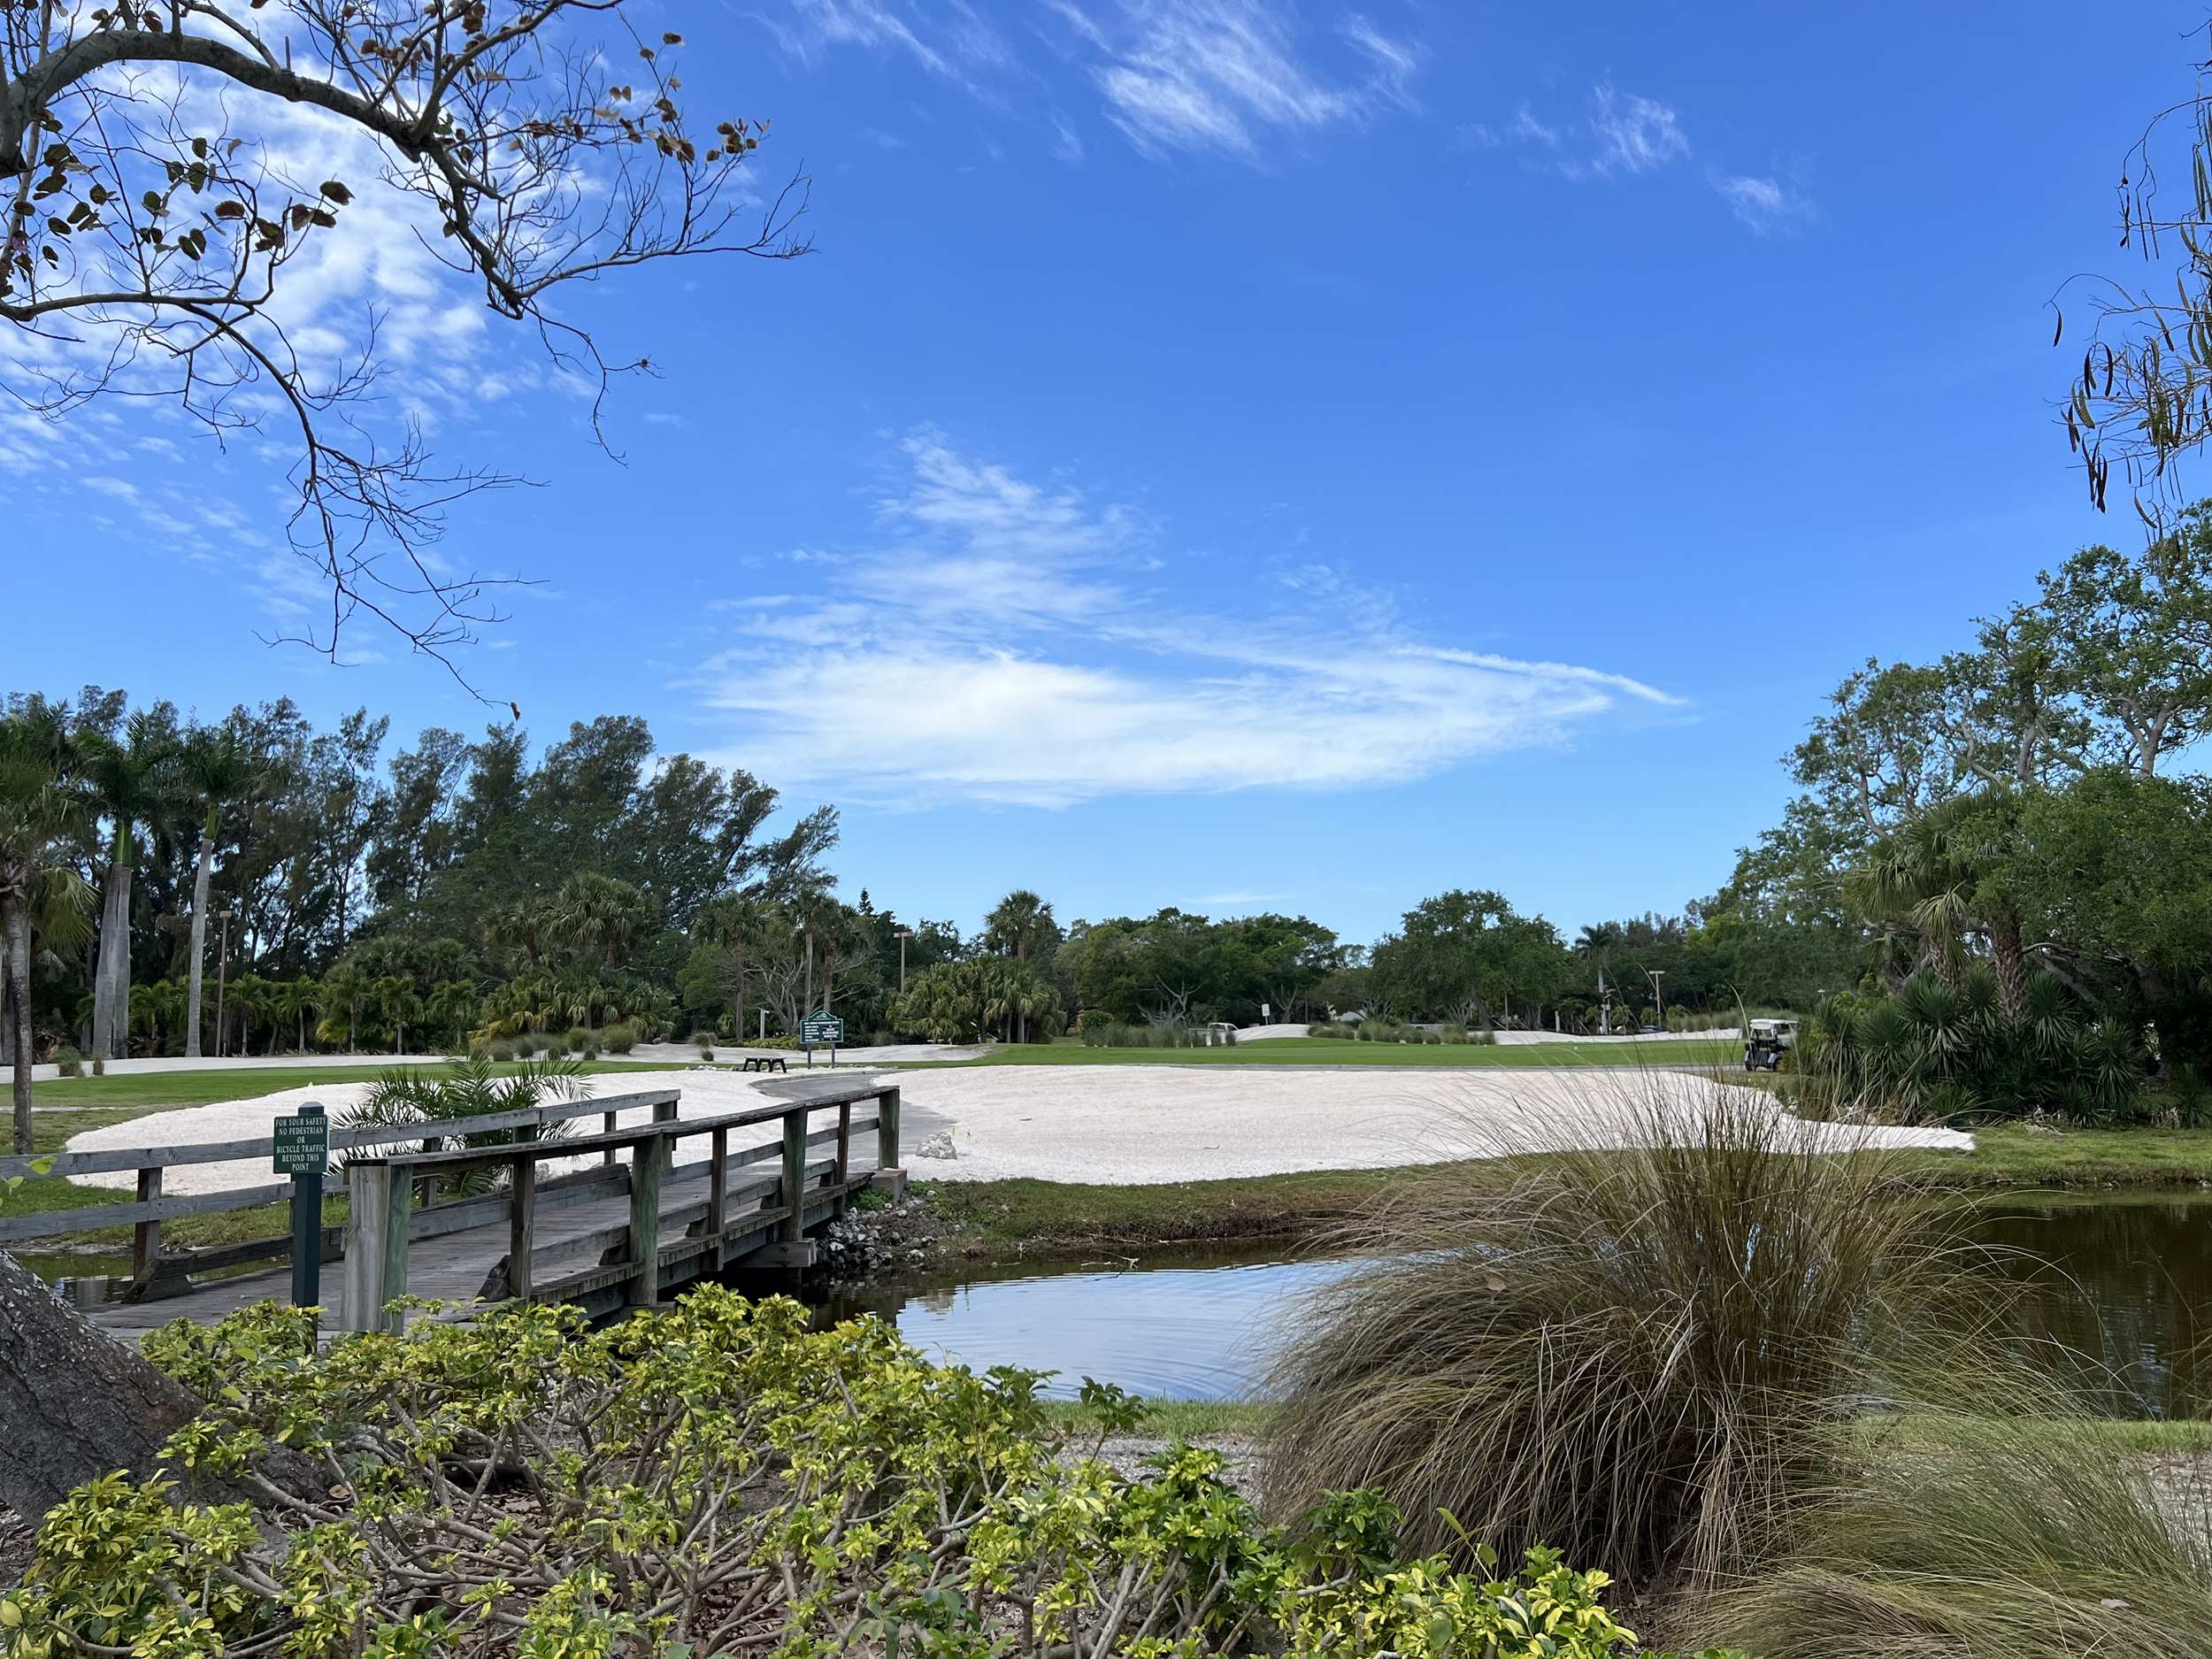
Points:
(1935, 1052)
(718, 1478)
(68, 1061)
(620, 1038)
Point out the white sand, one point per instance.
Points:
(1130, 1124)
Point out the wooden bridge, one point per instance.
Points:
(622, 1232)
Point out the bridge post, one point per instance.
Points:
(648, 1159)
(146, 1236)
(844, 1151)
(379, 1203)
(718, 1192)
(522, 1219)
(889, 1170)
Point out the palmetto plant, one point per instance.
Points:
(1936, 1051)
(472, 1087)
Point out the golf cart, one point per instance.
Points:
(1769, 1040)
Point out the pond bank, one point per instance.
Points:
(1009, 1220)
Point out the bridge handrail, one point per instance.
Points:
(382, 1192)
(121, 1158)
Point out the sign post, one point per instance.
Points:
(827, 1028)
(303, 1152)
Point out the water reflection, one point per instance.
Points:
(2128, 1283)
(1190, 1327)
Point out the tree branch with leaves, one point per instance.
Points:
(158, 231)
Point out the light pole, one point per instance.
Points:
(222, 975)
(905, 933)
(806, 926)
(1658, 999)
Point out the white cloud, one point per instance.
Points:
(1623, 133)
(1765, 205)
(1226, 75)
(1010, 641)
(1634, 134)
(956, 43)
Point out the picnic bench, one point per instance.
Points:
(766, 1063)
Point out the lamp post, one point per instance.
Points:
(905, 933)
(805, 925)
(222, 975)
(1658, 999)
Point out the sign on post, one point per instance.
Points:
(302, 1144)
(821, 1028)
(301, 1149)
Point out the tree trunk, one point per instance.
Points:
(112, 974)
(737, 996)
(199, 947)
(77, 1403)
(15, 935)
(2012, 969)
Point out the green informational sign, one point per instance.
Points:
(822, 1028)
(302, 1145)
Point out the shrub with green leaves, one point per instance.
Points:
(717, 1479)
(1948, 1052)
(68, 1061)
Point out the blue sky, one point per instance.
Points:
(1235, 455)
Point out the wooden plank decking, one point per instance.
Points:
(572, 1233)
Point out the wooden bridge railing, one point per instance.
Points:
(384, 1222)
(154, 1274)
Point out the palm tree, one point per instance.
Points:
(1942, 875)
(597, 916)
(41, 896)
(735, 923)
(345, 986)
(158, 1009)
(1014, 923)
(253, 997)
(298, 998)
(453, 1004)
(400, 1005)
(215, 771)
(130, 779)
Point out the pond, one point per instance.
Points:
(2128, 1281)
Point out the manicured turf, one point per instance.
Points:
(1343, 1051)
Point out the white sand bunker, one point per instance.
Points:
(1142, 1124)
(705, 1093)
(1128, 1125)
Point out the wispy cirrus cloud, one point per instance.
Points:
(1620, 132)
(1766, 205)
(1017, 642)
(1227, 75)
(1224, 77)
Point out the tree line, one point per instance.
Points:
(2020, 811)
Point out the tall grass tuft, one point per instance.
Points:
(2011, 1536)
(1624, 1354)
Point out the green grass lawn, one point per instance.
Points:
(1345, 1051)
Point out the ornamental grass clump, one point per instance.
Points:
(717, 1479)
(1628, 1352)
(1994, 1529)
